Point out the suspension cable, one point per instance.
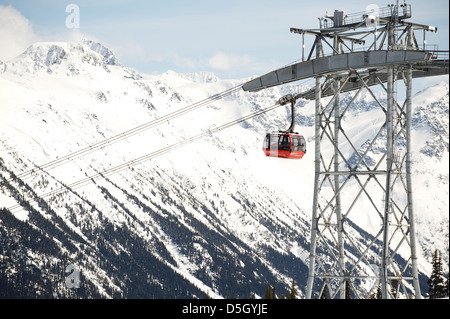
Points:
(147, 157)
(121, 136)
(124, 135)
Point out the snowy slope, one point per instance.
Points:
(214, 217)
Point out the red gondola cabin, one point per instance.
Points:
(284, 145)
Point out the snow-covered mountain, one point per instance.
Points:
(215, 217)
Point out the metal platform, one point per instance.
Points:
(372, 77)
(374, 62)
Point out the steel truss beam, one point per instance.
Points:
(358, 180)
(350, 185)
(363, 179)
(365, 184)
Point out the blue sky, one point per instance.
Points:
(231, 38)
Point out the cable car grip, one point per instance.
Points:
(289, 98)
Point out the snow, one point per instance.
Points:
(57, 98)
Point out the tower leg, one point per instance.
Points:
(389, 151)
(314, 225)
(339, 221)
(412, 231)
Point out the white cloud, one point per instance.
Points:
(16, 33)
(185, 62)
(240, 65)
(223, 61)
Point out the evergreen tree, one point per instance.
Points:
(446, 286)
(394, 287)
(269, 292)
(347, 290)
(293, 292)
(324, 294)
(436, 286)
(378, 294)
(274, 295)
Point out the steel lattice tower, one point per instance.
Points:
(369, 50)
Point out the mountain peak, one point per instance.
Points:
(48, 56)
(106, 53)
